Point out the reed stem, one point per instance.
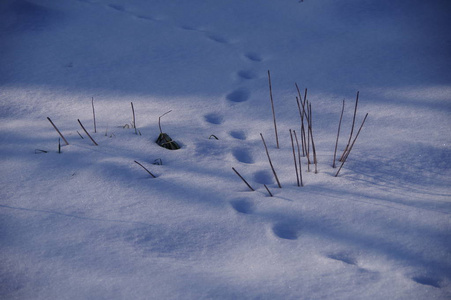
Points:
(294, 158)
(83, 127)
(244, 180)
(272, 107)
(270, 162)
(338, 134)
(146, 169)
(352, 145)
(57, 130)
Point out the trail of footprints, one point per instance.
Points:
(283, 230)
(291, 231)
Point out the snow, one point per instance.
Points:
(89, 223)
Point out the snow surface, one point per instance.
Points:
(89, 223)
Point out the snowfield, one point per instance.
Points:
(90, 223)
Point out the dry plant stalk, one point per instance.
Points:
(301, 114)
(159, 120)
(87, 132)
(294, 158)
(269, 192)
(338, 134)
(57, 130)
(299, 156)
(270, 162)
(272, 107)
(352, 129)
(146, 169)
(352, 145)
(244, 180)
(315, 161)
(134, 119)
(307, 117)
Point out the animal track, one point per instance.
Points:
(285, 231)
(214, 118)
(189, 28)
(238, 134)
(427, 281)
(117, 7)
(246, 74)
(142, 17)
(217, 38)
(243, 206)
(253, 56)
(344, 257)
(243, 155)
(239, 95)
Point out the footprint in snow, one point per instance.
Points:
(252, 56)
(246, 74)
(189, 28)
(117, 7)
(243, 155)
(143, 17)
(239, 95)
(344, 257)
(286, 231)
(243, 206)
(238, 134)
(214, 118)
(350, 259)
(217, 38)
(431, 281)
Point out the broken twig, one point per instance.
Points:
(244, 180)
(57, 130)
(270, 162)
(352, 145)
(87, 132)
(272, 107)
(146, 169)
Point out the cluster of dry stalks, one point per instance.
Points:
(307, 142)
(163, 139)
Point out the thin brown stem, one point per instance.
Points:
(352, 128)
(244, 180)
(269, 192)
(294, 158)
(270, 162)
(57, 130)
(352, 145)
(308, 138)
(301, 115)
(146, 169)
(299, 156)
(315, 161)
(83, 127)
(134, 119)
(272, 107)
(338, 134)
(159, 120)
